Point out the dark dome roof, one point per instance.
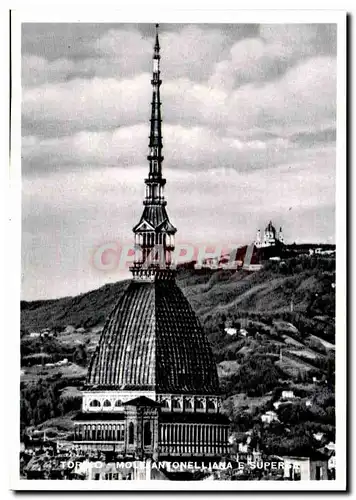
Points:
(153, 340)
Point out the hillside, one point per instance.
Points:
(306, 281)
(269, 330)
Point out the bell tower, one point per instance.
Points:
(154, 234)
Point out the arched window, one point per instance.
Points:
(188, 405)
(118, 402)
(176, 405)
(94, 403)
(165, 404)
(199, 405)
(147, 435)
(131, 433)
(106, 403)
(211, 405)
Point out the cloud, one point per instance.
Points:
(37, 70)
(248, 130)
(69, 214)
(125, 53)
(327, 135)
(63, 108)
(301, 40)
(270, 55)
(305, 95)
(196, 148)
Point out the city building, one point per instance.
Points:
(152, 390)
(306, 468)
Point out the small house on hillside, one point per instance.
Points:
(269, 417)
(35, 334)
(318, 436)
(230, 330)
(287, 395)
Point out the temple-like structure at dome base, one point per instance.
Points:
(152, 388)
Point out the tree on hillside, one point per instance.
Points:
(80, 355)
(256, 376)
(293, 413)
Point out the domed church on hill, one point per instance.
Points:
(270, 237)
(152, 388)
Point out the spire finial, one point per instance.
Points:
(157, 41)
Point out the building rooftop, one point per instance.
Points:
(153, 340)
(142, 401)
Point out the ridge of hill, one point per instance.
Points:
(270, 330)
(306, 282)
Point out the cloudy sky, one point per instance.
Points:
(249, 135)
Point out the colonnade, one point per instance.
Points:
(193, 438)
(99, 432)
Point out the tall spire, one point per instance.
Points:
(154, 234)
(155, 143)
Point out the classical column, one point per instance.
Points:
(198, 438)
(201, 438)
(206, 440)
(175, 437)
(192, 438)
(170, 436)
(185, 438)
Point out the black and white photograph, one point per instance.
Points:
(182, 196)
